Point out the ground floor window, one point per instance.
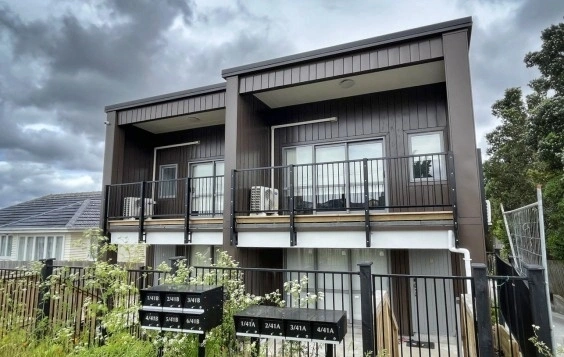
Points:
(40, 247)
(6, 246)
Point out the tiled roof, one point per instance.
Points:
(67, 210)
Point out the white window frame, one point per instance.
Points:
(433, 155)
(23, 239)
(164, 184)
(219, 188)
(6, 246)
(313, 186)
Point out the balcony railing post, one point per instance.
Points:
(187, 234)
(233, 233)
(452, 193)
(106, 210)
(366, 310)
(366, 201)
(142, 213)
(293, 238)
(214, 191)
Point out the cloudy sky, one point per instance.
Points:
(62, 61)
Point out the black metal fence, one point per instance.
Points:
(404, 315)
(179, 198)
(415, 182)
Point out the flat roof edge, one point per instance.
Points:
(424, 31)
(166, 97)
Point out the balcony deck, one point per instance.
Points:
(350, 217)
(161, 222)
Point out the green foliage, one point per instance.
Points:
(527, 148)
(114, 310)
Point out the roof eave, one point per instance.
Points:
(425, 31)
(218, 87)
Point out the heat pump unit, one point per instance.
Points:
(132, 207)
(263, 199)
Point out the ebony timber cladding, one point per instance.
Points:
(408, 53)
(172, 108)
(211, 147)
(137, 163)
(391, 116)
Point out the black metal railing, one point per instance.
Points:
(408, 183)
(405, 315)
(201, 196)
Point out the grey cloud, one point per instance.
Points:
(498, 49)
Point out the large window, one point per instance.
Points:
(40, 247)
(332, 176)
(207, 188)
(6, 246)
(427, 162)
(167, 178)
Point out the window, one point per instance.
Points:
(323, 179)
(40, 247)
(207, 188)
(167, 178)
(427, 162)
(6, 246)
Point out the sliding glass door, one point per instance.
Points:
(207, 188)
(331, 177)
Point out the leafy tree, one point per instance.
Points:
(528, 146)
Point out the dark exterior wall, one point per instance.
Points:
(247, 142)
(138, 156)
(385, 57)
(211, 147)
(389, 115)
(172, 108)
(461, 119)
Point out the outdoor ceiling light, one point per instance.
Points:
(346, 83)
(192, 119)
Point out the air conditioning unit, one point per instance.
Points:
(132, 207)
(263, 199)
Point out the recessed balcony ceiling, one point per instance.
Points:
(404, 77)
(184, 122)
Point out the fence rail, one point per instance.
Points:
(405, 315)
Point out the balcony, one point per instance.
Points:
(187, 206)
(359, 194)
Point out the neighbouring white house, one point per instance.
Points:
(51, 226)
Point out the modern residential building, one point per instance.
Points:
(319, 160)
(51, 226)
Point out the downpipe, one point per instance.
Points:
(465, 256)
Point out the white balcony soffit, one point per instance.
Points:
(184, 122)
(397, 78)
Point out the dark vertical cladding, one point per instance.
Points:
(139, 148)
(211, 147)
(368, 60)
(247, 145)
(461, 126)
(113, 158)
(182, 106)
(390, 115)
(254, 131)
